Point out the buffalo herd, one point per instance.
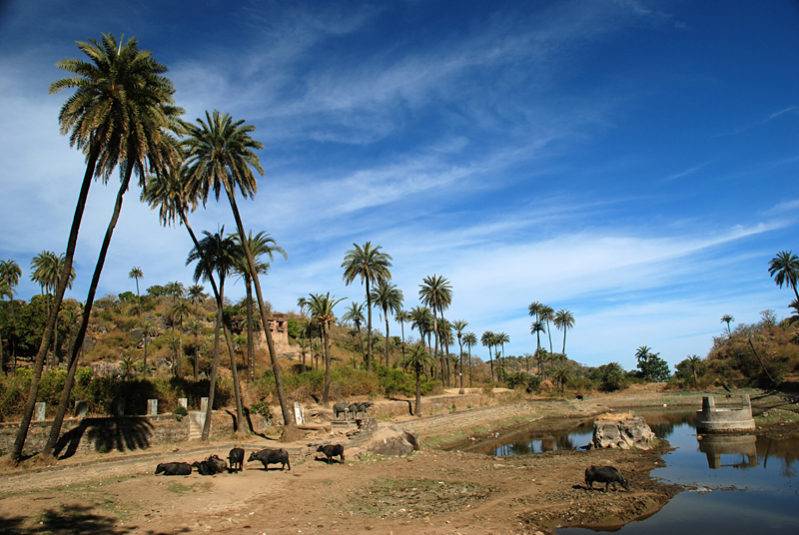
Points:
(235, 463)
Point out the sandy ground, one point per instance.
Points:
(431, 491)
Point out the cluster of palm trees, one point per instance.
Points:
(542, 316)
(122, 115)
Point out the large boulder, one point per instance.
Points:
(623, 431)
(390, 440)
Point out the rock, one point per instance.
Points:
(391, 440)
(623, 431)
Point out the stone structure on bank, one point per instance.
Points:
(279, 328)
(712, 419)
(623, 431)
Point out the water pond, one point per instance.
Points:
(744, 483)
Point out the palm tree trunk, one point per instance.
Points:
(326, 387)
(491, 363)
(38, 364)
(470, 366)
(77, 344)
(435, 337)
(250, 341)
(549, 334)
(385, 316)
(288, 417)
(417, 411)
(402, 345)
(564, 340)
(460, 367)
(368, 357)
(212, 388)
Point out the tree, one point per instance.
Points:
(46, 270)
(436, 292)
(470, 340)
(261, 244)
(389, 298)
(321, 307)
(537, 328)
(421, 319)
(460, 326)
(501, 339)
(651, 367)
(418, 360)
(402, 316)
(178, 314)
(547, 314)
(784, 269)
(139, 101)
(611, 377)
(10, 273)
(220, 155)
(535, 309)
(727, 318)
(136, 273)
(217, 253)
(564, 321)
(690, 369)
(354, 315)
(488, 340)
(370, 265)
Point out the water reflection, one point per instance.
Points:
(743, 447)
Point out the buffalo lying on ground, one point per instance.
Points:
(211, 466)
(173, 469)
(332, 450)
(271, 456)
(236, 459)
(609, 475)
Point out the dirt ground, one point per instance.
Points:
(431, 491)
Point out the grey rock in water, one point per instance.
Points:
(622, 431)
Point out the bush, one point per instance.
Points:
(398, 381)
(531, 383)
(610, 377)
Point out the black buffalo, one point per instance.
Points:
(609, 475)
(271, 456)
(173, 469)
(236, 459)
(332, 450)
(339, 408)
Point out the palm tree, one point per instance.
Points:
(694, 364)
(460, 326)
(418, 359)
(260, 244)
(436, 292)
(564, 320)
(220, 154)
(487, 340)
(389, 298)
(10, 273)
(422, 319)
(547, 315)
(535, 309)
(321, 309)
(354, 315)
(727, 318)
(197, 294)
(218, 253)
(402, 316)
(46, 270)
(136, 273)
(470, 340)
(371, 265)
(561, 375)
(537, 328)
(784, 268)
(134, 122)
(500, 340)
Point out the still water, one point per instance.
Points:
(745, 483)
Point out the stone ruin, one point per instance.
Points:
(712, 419)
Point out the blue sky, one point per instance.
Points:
(632, 161)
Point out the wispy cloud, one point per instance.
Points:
(686, 172)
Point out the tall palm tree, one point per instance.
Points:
(728, 319)
(418, 360)
(436, 292)
(220, 155)
(535, 309)
(402, 316)
(502, 339)
(217, 253)
(389, 298)
(446, 339)
(136, 273)
(321, 308)
(564, 320)
(470, 340)
(547, 315)
(371, 265)
(260, 244)
(136, 125)
(10, 273)
(460, 326)
(354, 315)
(422, 319)
(784, 268)
(487, 340)
(46, 269)
(537, 328)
